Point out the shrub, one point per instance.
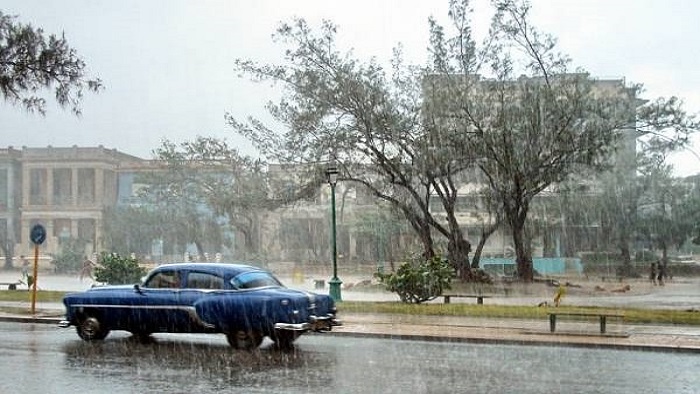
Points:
(419, 281)
(115, 269)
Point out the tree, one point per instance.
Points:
(347, 113)
(513, 108)
(665, 217)
(380, 230)
(534, 121)
(31, 61)
(207, 179)
(132, 228)
(174, 210)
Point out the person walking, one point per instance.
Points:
(24, 268)
(652, 274)
(86, 270)
(662, 272)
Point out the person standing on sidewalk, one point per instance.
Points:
(652, 274)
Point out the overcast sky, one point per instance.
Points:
(168, 65)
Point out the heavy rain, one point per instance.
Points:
(505, 201)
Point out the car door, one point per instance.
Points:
(161, 308)
(197, 285)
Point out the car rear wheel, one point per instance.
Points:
(245, 340)
(91, 329)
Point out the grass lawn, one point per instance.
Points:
(632, 315)
(26, 295)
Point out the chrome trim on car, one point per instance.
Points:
(189, 309)
(293, 326)
(64, 324)
(315, 323)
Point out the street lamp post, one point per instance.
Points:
(334, 283)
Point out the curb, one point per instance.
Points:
(30, 319)
(519, 342)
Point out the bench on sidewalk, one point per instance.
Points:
(602, 315)
(11, 285)
(479, 297)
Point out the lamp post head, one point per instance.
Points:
(332, 175)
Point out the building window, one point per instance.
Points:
(61, 230)
(62, 185)
(37, 186)
(86, 186)
(86, 230)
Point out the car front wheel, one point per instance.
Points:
(91, 329)
(245, 340)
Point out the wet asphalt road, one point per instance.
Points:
(41, 358)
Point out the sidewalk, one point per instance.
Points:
(517, 331)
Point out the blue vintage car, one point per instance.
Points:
(243, 302)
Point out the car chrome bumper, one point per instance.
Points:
(64, 324)
(315, 323)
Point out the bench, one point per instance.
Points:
(602, 315)
(11, 285)
(479, 297)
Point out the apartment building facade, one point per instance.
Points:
(67, 190)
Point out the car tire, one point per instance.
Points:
(284, 339)
(90, 328)
(244, 340)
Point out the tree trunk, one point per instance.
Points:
(458, 250)
(486, 232)
(427, 240)
(523, 259)
(626, 267)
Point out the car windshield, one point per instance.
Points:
(251, 280)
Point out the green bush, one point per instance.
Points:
(419, 281)
(115, 270)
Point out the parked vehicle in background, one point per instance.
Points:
(243, 302)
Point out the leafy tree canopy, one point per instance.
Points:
(512, 109)
(30, 61)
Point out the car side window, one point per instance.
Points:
(254, 279)
(164, 280)
(202, 280)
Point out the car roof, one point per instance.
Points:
(229, 268)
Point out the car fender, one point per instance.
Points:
(232, 311)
